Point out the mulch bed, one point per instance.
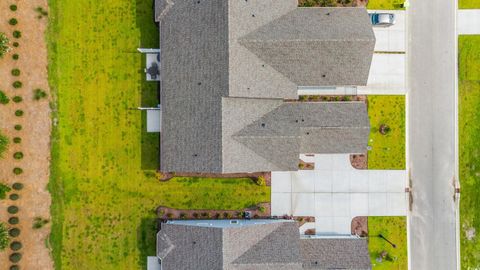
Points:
(359, 162)
(360, 226)
(306, 165)
(165, 176)
(320, 98)
(354, 3)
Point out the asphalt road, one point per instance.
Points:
(431, 134)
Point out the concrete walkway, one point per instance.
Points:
(468, 21)
(335, 193)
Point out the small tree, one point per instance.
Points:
(4, 238)
(4, 48)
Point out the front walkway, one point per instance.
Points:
(468, 22)
(335, 193)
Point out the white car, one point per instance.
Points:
(382, 19)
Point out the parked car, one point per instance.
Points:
(382, 19)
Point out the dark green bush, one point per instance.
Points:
(17, 99)
(14, 232)
(17, 186)
(14, 267)
(18, 113)
(16, 72)
(15, 257)
(17, 84)
(13, 7)
(4, 189)
(3, 98)
(14, 196)
(17, 140)
(13, 220)
(12, 209)
(15, 56)
(15, 44)
(17, 34)
(18, 155)
(39, 222)
(13, 21)
(39, 94)
(17, 170)
(15, 245)
(18, 127)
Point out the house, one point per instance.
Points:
(230, 74)
(253, 244)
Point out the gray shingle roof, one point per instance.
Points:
(335, 254)
(218, 77)
(261, 246)
(337, 55)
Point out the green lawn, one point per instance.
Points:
(103, 196)
(469, 143)
(385, 4)
(469, 4)
(387, 151)
(394, 229)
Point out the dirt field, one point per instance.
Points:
(34, 198)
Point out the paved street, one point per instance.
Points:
(468, 22)
(431, 134)
(335, 193)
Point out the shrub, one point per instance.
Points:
(17, 84)
(15, 257)
(15, 44)
(169, 215)
(262, 209)
(195, 215)
(15, 245)
(14, 267)
(14, 196)
(260, 181)
(39, 94)
(13, 21)
(41, 12)
(13, 220)
(4, 238)
(18, 127)
(183, 216)
(17, 170)
(14, 232)
(4, 48)
(3, 98)
(3, 144)
(16, 72)
(18, 113)
(40, 222)
(12, 209)
(17, 99)
(17, 34)
(15, 56)
(17, 140)
(13, 7)
(17, 186)
(4, 189)
(18, 155)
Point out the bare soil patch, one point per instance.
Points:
(34, 198)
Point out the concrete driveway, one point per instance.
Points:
(335, 193)
(391, 39)
(387, 75)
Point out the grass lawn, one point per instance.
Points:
(385, 4)
(469, 4)
(387, 151)
(394, 229)
(469, 143)
(103, 195)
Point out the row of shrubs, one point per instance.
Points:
(37, 95)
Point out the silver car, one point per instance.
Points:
(382, 19)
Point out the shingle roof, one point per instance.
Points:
(215, 65)
(261, 246)
(335, 254)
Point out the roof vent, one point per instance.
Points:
(195, 155)
(323, 75)
(263, 124)
(328, 14)
(194, 242)
(308, 133)
(253, 15)
(199, 83)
